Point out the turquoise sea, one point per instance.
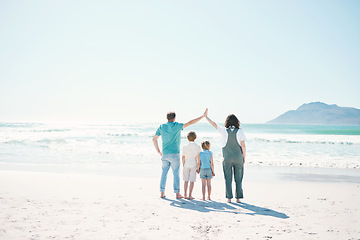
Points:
(99, 145)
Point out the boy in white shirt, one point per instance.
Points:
(190, 151)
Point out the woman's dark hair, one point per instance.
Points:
(232, 120)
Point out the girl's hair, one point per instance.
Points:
(191, 136)
(205, 145)
(232, 120)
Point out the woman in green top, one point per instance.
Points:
(234, 152)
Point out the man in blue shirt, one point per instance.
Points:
(170, 156)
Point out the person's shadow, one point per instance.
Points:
(256, 210)
(214, 206)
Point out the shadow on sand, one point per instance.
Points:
(213, 206)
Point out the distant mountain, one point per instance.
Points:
(320, 113)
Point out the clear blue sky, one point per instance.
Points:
(136, 60)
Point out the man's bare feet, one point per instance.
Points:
(191, 198)
(238, 200)
(162, 195)
(209, 198)
(178, 196)
(203, 199)
(228, 200)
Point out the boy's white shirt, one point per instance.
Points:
(190, 151)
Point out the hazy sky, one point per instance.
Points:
(136, 60)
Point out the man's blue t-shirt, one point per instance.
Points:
(170, 133)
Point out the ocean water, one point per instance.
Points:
(105, 145)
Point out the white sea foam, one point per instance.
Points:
(132, 144)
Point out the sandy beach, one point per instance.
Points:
(36, 205)
(97, 98)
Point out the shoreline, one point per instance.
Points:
(252, 172)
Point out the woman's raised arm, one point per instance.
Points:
(211, 122)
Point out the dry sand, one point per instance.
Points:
(81, 206)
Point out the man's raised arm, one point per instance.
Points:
(191, 122)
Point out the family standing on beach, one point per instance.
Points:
(200, 161)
